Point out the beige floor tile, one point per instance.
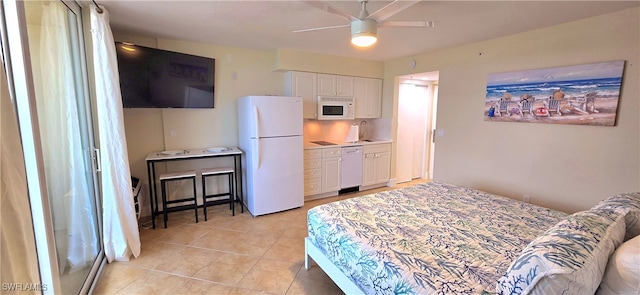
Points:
(188, 261)
(116, 276)
(242, 291)
(217, 239)
(153, 282)
(184, 234)
(227, 268)
(313, 282)
(152, 254)
(270, 276)
(195, 286)
(239, 255)
(295, 232)
(235, 242)
(223, 273)
(289, 250)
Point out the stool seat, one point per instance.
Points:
(214, 171)
(179, 174)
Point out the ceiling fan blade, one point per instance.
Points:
(406, 24)
(391, 9)
(321, 28)
(330, 9)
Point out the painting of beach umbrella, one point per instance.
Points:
(585, 94)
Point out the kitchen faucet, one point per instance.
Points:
(361, 135)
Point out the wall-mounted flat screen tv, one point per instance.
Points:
(155, 78)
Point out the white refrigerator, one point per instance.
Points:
(270, 134)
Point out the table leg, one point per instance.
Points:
(238, 167)
(151, 187)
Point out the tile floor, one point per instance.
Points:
(224, 255)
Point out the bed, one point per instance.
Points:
(439, 238)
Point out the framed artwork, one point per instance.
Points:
(585, 94)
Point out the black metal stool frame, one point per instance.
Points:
(166, 210)
(231, 200)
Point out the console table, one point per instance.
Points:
(194, 154)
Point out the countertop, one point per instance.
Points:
(309, 145)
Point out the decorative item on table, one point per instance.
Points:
(217, 149)
(172, 152)
(352, 136)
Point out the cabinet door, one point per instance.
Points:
(304, 85)
(369, 169)
(368, 97)
(361, 97)
(344, 85)
(374, 108)
(383, 167)
(326, 84)
(330, 174)
(312, 187)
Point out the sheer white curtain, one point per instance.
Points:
(17, 242)
(64, 156)
(121, 236)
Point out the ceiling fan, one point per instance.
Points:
(364, 27)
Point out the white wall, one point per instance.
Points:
(258, 72)
(566, 167)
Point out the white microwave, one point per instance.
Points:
(336, 108)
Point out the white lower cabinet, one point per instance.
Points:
(321, 171)
(377, 164)
(323, 168)
(312, 172)
(331, 158)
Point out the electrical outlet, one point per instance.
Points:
(526, 198)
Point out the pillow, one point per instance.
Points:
(569, 258)
(628, 204)
(623, 270)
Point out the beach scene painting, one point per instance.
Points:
(585, 94)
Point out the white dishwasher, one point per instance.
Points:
(351, 167)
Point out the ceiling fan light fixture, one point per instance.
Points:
(363, 32)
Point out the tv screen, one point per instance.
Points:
(155, 78)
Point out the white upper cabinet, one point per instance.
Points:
(368, 97)
(335, 85)
(304, 85)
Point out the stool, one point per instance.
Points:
(174, 176)
(230, 172)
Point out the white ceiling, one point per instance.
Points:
(268, 25)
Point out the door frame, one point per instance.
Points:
(15, 47)
(428, 156)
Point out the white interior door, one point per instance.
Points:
(412, 121)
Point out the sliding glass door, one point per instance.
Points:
(51, 91)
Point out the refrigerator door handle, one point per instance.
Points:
(256, 162)
(256, 119)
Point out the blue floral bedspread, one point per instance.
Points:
(432, 238)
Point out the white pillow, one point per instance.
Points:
(569, 258)
(622, 275)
